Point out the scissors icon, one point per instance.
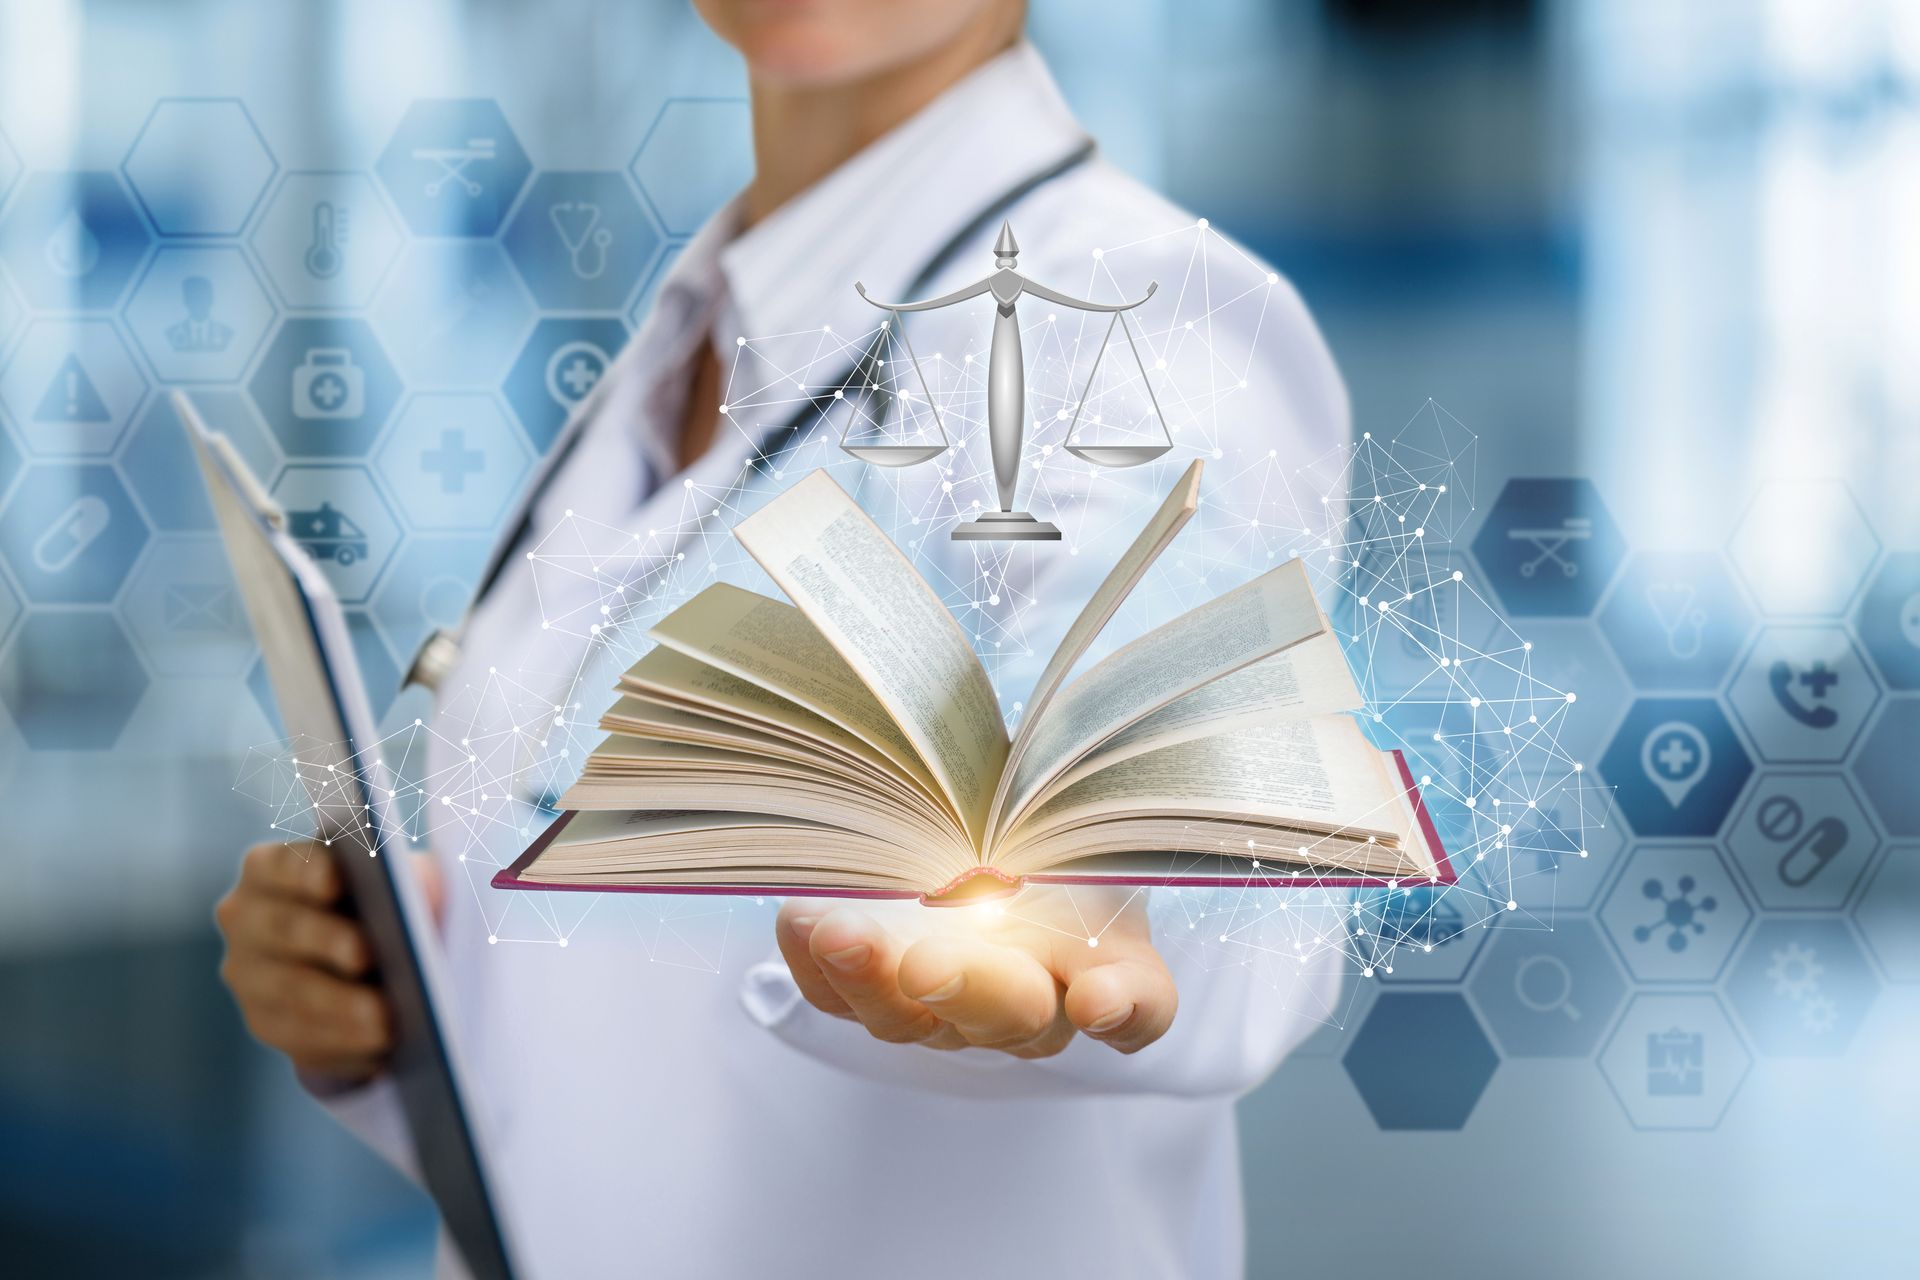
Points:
(577, 223)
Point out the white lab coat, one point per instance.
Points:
(652, 1118)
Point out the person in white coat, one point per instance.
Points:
(865, 1093)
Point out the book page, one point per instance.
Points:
(672, 674)
(1133, 564)
(1319, 774)
(1310, 679)
(876, 610)
(1251, 622)
(771, 643)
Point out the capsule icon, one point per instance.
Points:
(72, 533)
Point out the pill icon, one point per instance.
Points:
(71, 533)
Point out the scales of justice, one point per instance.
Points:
(1007, 396)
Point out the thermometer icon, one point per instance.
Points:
(323, 255)
(72, 533)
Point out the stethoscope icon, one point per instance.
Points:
(1685, 626)
(577, 223)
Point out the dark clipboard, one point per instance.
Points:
(308, 651)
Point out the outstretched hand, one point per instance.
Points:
(1022, 979)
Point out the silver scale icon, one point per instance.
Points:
(1007, 395)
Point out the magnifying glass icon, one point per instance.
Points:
(1543, 984)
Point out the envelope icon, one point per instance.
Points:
(198, 606)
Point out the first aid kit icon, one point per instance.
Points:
(328, 384)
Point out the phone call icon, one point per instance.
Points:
(1817, 680)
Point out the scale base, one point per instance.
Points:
(1005, 526)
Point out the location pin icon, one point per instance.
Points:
(1675, 757)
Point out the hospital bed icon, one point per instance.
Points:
(1549, 542)
(453, 162)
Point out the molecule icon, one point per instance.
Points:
(1680, 915)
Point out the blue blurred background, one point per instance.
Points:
(1659, 257)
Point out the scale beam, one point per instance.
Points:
(1007, 395)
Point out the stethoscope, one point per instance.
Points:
(441, 651)
(590, 246)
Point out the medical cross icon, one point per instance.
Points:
(1675, 756)
(580, 375)
(1818, 679)
(453, 462)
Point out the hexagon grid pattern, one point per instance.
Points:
(392, 348)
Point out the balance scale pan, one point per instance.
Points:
(1117, 455)
(894, 455)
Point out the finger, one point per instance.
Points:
(997, 997)
(792, 929)
(291, 930)
(1128, 1003)
(302, 1010)
(305, 871)
(861, 961)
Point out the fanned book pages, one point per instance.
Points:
(850, 743)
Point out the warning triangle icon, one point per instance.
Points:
(71, 397)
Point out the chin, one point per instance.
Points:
(815, 43)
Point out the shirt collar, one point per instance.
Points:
(879, 217)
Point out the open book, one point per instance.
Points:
(850, 743)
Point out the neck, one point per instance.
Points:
(803, 133)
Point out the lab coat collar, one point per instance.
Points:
(880, 216)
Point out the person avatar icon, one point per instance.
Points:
(198, 330)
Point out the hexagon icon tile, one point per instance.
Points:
(159, 463)
(697, 155)
(1676, 620)
(557, 369)
(199, 166)
(1884, 767)
(1801, 987)
(1803, 693)
(325, 387)
(1676, 767)
(1420, 1060)
(1572, 658)
(1888, 915)
(582, 241)
(1803, 547)
(1888, 620)
(336, 514)
(71, 386)
(454, 314)
(1675, 913)
(1675, 1061)
(71, 680)
(71, 533)
(73, 240)
(199, 314)
(1801, 840)
(453, 461)
(185, 611)
(327, 240)
(427, 588)
(1548, 993)
(1549, 547)
(454, 167)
